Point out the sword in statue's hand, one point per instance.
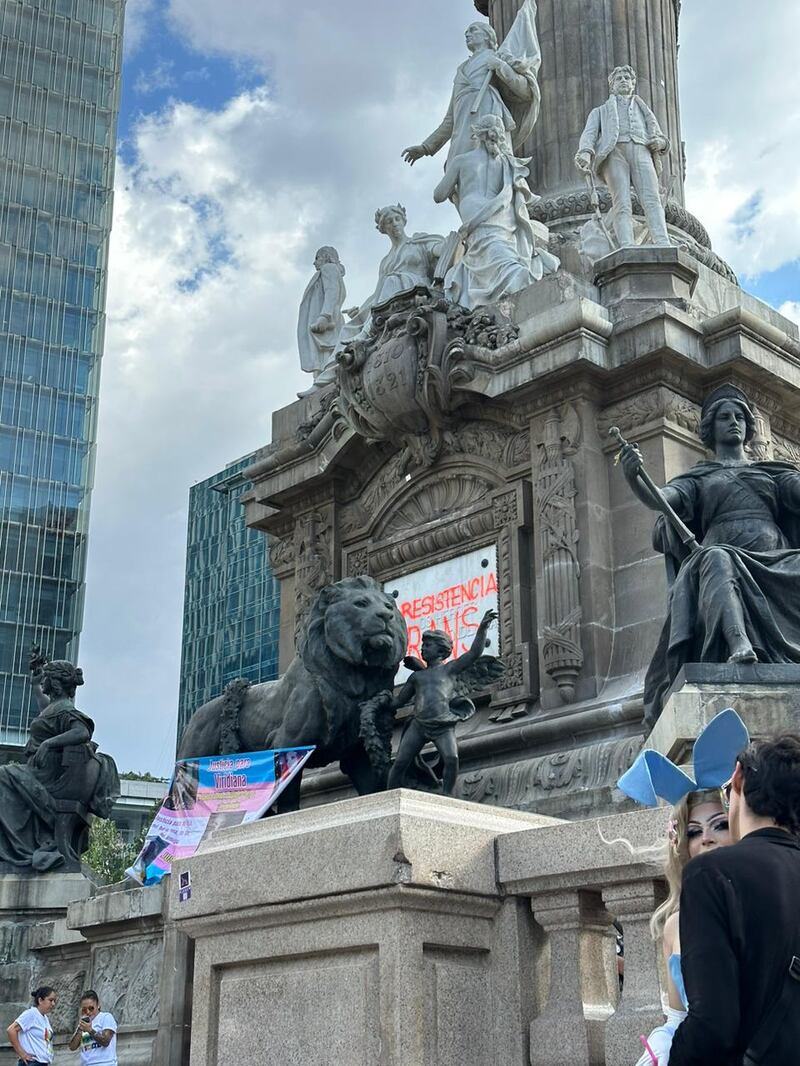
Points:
(660, 502)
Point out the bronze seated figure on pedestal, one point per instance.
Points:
(730, 533)
(47, 801)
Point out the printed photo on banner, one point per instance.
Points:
(451, 596)
(206, 795)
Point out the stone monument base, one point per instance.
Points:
(366, 931)
(766, 696)
(27, 903)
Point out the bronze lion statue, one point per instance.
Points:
(349, 650)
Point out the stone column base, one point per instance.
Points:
(30, 904)
(766, 697)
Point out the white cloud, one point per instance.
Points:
(740, 84)
(791, 309)
(157, 79)
(137, 14)
(216, 225)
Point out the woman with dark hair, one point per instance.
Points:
(31, 1034)
(31, 792)
(182, 794)
(737, 599)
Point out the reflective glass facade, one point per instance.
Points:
(232, 602)
(59, 94)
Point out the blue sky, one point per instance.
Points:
(162, 67)
(251, 133)
(777, 287)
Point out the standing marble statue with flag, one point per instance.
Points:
(500, 81)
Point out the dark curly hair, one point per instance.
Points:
(772, 779)
(67, 676)
(709, 416)
(38, 994)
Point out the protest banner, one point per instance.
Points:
(209, 794)
(451, 596)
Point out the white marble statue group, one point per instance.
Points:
(495, 253)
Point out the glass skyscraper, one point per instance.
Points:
(231, 610)
(59, 99)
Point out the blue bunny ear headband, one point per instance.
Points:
(654, 776)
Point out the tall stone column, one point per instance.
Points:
(582, 41)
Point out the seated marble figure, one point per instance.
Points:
(410, 262)
(489, 186)
(736, 599)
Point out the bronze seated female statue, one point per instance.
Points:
(46, 801)
(735, 581)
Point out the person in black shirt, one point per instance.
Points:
(740, 922)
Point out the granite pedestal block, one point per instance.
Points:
(766, 697)
(369, 931)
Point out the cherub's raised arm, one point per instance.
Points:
(463, 662)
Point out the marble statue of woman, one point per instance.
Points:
(320, 321)
(737, 599)
(410, 262)
(490, 188)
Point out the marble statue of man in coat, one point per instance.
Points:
(623, 144)
(320, 320)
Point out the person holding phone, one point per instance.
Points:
(96, 1033)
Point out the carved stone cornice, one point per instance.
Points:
(654, 404)
(789, 428)
(462, 533)
(559, 208)
(785, 450)
(480, 447)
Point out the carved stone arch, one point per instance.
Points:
(445, 492)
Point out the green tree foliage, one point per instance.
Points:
(108, 854)
(132, 775)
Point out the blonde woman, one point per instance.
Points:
(698, 824)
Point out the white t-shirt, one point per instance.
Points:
(94, 1054)
(36, 1037)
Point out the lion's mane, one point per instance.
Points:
(351, 672)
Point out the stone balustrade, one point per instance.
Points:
(397, 928)
(577, 884)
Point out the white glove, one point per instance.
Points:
(660, 1040)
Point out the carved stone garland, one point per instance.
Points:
(313, 566)
(562, 652)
